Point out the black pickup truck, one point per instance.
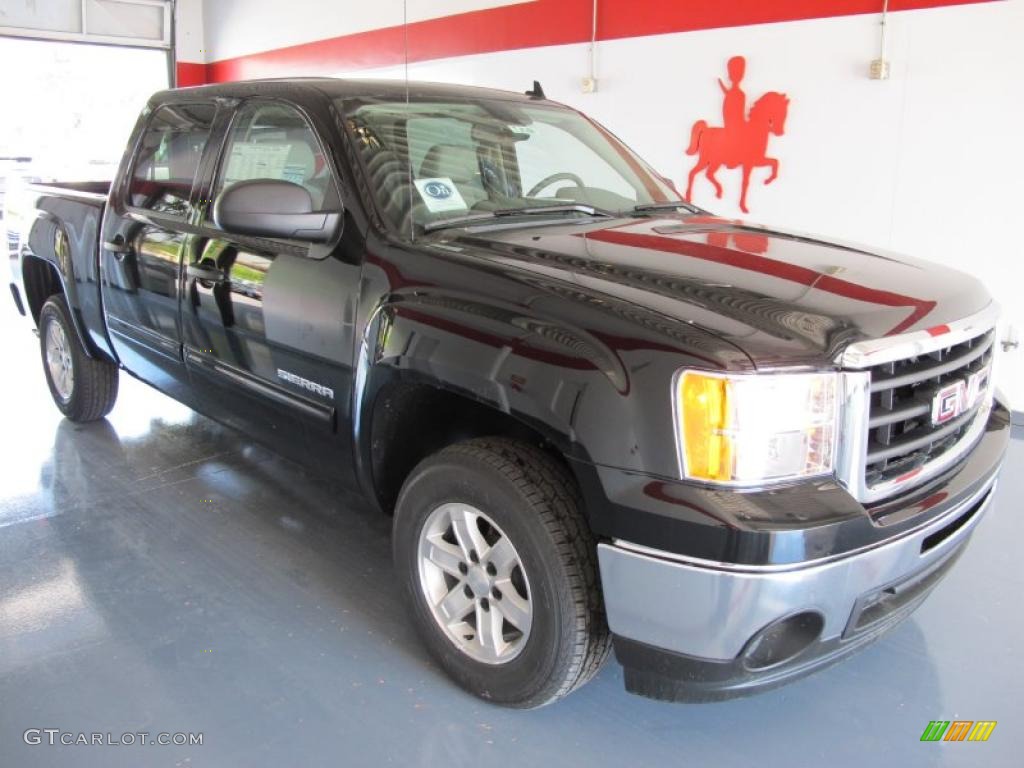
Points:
(600, 416)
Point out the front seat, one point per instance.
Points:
(458, 163)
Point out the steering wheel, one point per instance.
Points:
(549, 180)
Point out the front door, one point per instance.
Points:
(143, 235)
(268, 324)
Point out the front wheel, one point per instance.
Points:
(499, 569)
(84, 388)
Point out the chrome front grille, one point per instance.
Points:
(896, 430)
(901, 434)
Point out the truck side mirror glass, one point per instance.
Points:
(274, 208)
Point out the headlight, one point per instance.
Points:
(755, 428)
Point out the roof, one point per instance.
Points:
(334, 87)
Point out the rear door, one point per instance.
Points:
(268, 323)
(143, 238)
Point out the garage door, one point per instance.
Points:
(145, 23)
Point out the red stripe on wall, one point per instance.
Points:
(532, 25)
(526, 25)
(623, 18)
(189, 73)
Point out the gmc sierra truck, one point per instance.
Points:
(600, 417)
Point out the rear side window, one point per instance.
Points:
(168, 157)
(274, 141)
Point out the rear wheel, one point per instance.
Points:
(499, 569)
(84, 388)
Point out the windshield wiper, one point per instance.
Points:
(476, 218)
(668, 206)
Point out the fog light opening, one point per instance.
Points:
(782, 640)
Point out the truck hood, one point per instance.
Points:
(782, 298)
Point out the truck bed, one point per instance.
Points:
(93, 190)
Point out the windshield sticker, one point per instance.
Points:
(440, 194)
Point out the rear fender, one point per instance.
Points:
(66, 248)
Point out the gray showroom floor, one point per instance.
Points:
(160, 574)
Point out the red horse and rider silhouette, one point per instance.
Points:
(742, 141)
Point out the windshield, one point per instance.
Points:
(430, 161)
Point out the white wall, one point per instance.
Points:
(189, 35)
(928, 162)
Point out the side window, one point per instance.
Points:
(168, 156)
(274, 141)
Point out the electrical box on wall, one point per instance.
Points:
(879, 69)
(589, 84)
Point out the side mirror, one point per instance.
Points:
(273, 208)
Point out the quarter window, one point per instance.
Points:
(168, 157)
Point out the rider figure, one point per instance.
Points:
(734, 106)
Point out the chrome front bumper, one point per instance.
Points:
(715, 611)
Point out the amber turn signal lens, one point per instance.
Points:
(704, 404)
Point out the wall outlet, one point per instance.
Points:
(879, 69)
(589, 84)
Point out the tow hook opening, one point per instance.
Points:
(782, 640)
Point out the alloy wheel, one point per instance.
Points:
(474, 583)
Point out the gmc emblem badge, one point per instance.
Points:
(959, 397)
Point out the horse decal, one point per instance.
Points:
(742, 140)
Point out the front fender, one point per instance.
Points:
(487, 354)
(596, 397)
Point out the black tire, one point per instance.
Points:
(93, 391)
(537, 505)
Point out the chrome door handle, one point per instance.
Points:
(208, 274)
(118, 246)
